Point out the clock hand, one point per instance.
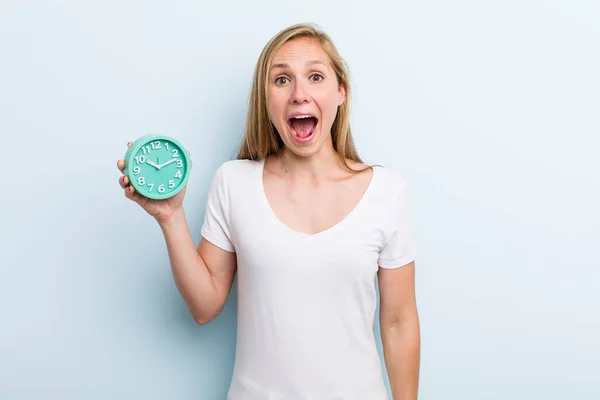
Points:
(154, 165)
(167, 163)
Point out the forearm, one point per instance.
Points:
(192, 276)
(401, 346)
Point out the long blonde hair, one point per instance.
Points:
(260, 137)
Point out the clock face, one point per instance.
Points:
(158, 168)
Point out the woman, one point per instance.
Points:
(307, 227)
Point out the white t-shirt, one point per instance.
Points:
(306, 303)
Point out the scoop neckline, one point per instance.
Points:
(352, 214)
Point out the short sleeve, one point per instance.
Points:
(400, 248)
(216, 226)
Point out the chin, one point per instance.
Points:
(305, 148)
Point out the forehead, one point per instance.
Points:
(298, 52)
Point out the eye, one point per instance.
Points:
(316, 77)
(280, 80)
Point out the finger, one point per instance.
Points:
(135, 196)
(121, 163)
(123, 181)
(130, 192)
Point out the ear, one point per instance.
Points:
(341, 94)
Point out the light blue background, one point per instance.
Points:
(490, 110)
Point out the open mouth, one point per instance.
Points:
(303, 127)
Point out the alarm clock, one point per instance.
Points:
(158, 166)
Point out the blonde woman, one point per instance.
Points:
(307, 227)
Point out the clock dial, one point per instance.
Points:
(158, 167)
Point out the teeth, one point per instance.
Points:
(303, 116)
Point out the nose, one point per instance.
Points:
(300, 93)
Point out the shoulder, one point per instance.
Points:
(237, 166)
(235, 170)
(233, 178)
(387, 177)
(390, 182)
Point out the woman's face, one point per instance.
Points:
(304, 96)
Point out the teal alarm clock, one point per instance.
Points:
(158, 166)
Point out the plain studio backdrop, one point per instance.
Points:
(490, 110)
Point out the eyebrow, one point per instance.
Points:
(284, 65)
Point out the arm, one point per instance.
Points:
(400, 331)
(203, 275)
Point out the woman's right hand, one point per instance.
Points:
(161, 210)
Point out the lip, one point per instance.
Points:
(294, 136)
(302, 113)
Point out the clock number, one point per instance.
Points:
(140, 159)
(155, 145)
(175, 153)
(151, 186)
(141, 180)
(179, 163)
(146, 149)
(161, 188)
(171, 184)
(167, 145)
(178, 174)
(136, 170)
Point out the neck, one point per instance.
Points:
(315, 168)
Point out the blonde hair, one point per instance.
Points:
(260, 137)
